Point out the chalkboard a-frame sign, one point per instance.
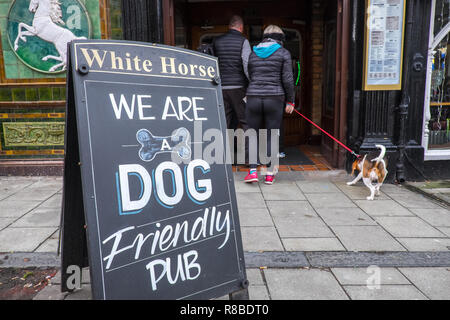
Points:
(142, 207)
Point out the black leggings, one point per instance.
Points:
(264, 112)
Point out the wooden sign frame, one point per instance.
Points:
(106, 170)
(379, 87)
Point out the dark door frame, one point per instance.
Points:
(332, 152)
(337, 155)
(344, 21)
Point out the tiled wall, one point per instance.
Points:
(14, 68)
(37, 133)
(20, 94)
(32, 119)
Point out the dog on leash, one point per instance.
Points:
(371, 171)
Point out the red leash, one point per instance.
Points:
(340, 143)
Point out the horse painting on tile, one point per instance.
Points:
(39, 30)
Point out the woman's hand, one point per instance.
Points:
(289, 108)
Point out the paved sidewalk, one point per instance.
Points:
(438, 190)
(301, 236)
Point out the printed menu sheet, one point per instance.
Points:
(384, 45)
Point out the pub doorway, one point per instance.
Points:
(312, 37)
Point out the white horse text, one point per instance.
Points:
(126, 62)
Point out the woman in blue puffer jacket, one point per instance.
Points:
(270, 92)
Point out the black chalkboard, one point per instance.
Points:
(160, 217)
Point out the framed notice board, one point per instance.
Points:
(160, 220)
(383, 49)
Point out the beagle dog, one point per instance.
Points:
(371, 171)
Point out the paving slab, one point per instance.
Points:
(425, 244)
(366, 238)
(23, 239)
(84, 293)
(302, 284)
(286, 191)
(54, 202)
(39, 217)
(261, 239)
(23, 260)
(381, 259)
(297, 219)
(254, 277)
(362, 276)
(51, 244)
(312, 244)
(414, 201)
(258, 293)
(274, 259)
(385, 292)
(389, 188)
(329, 200)
(345, 217)
(435, 217)
(358, 191)
(412, 227)
(444, 230)
(16, 209)
(250, 200)
(241, 186)
(50, 292)
(32, 193)
(290, 176)
(383, 208)
(49, 183)
(255, 217)
(4, 222)
(317, 187)
(433, 282)
(9, 187)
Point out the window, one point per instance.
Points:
(436, 129)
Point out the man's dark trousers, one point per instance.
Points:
(235, 106)
(235, 110)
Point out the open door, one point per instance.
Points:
(294, 128)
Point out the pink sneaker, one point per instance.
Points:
(251, 177)
(270, 179)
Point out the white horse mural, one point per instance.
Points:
(47, 16)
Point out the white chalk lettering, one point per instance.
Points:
(199, 190)
(183, 269)
(161, 238)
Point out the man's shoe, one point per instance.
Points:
(251, 177)
(270, 179)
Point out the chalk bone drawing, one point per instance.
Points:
(47, 16)
(152, 145)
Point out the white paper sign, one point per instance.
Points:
(385, 24)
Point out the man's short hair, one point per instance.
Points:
(235, 22)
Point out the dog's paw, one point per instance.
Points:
(369, 198)
(350, 183)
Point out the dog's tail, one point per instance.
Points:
(382, 153)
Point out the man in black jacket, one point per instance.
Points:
(233, 51)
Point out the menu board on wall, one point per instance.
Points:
(383, 51)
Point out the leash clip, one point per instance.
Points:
(356, 155)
